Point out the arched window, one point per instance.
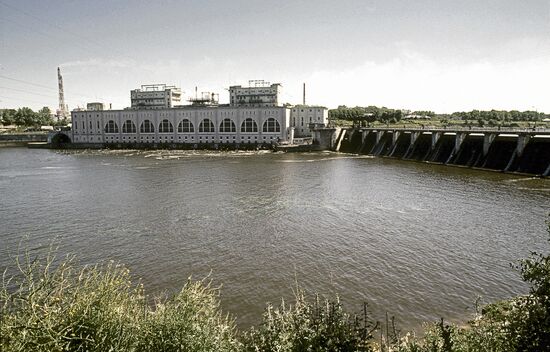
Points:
(128, 127)
(111, 127)
(147, 127)
(206, 126)
(185, 126)
(228, 125)
(271, 125)
(249, 125)
(166, 127)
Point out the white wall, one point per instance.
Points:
(82, 133)
(302, 115)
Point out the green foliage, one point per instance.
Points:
(499, 115)
(44, 116)
(7, 116)
(317, 325)
(60, 308)
(368, 114)
(26, 117)
(51, 307)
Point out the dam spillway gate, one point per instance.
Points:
(522, 151)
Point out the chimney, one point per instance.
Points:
(304, 100)
(110, 106)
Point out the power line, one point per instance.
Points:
(44, 87)
(28, 92)
(86, 39)
(27, 82)
(21, 99)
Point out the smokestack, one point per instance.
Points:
(110, 106)
(304, 100)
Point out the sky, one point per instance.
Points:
(439, 55)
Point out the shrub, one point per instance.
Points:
(61, 308)
(317, 325)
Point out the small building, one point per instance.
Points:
(95, 106)
(155, 96)
(303, 117)
(259, 93)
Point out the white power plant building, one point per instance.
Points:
(254, 116)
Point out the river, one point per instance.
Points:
(419, 241)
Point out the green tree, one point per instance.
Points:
(25, 117)
(7, 117)
(44, 116)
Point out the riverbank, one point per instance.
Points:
(53, 305)
(21, 139)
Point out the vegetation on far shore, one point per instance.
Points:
(26, 117)
(381, 116)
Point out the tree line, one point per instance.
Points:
(369, 114)
(386, 115)
(26, 117)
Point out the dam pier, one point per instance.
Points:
(511, 150)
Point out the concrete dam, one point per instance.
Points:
(522, 151)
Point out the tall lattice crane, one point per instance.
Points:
(63, 110)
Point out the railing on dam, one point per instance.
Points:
(509, 150)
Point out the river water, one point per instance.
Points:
(416, 240)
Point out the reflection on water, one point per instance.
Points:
(419, 241)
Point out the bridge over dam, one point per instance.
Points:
(510, 150)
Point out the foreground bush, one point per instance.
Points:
(318, 325)
(97, 308)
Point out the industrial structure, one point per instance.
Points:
(95, 106)
(254, 116)
(259, 93)
(306, 117)
(155, 96)
(62, 112)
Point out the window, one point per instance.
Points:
(111, 127)
(147, 127)
(271, 125)
(227, 125)
(128, 127)
(249, 125)
(206, 126)
(166, 127)
(185, 126)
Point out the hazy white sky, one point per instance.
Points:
(442, 55)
